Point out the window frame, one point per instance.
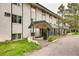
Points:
(43, 15)
(14, 18)
(18, 4)
(17, 19)
(33, 13)
(13, 36)
(17, 36)
(7, 14)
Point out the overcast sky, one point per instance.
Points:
(53, 6)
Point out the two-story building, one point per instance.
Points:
(21, 20)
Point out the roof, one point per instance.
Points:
(36, 22)
(46, 10)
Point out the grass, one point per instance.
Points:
(75, 33)
(52, 38)
(16, 48)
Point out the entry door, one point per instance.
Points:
(45, 34)
(41, 32)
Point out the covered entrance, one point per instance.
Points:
(44, 28)
(44, 33)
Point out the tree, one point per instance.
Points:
(61, 11)
(73, 9)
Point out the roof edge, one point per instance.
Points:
(54, 14)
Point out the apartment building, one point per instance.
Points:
(21, 20)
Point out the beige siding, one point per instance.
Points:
(17, 28)
(5, 22)
(26, 20)
(53, 20)
(33, 13)
(39, 14)
(37, 32)
(16, 10)
(47, 18)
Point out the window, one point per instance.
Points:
(43, 15)
(7, 14)
(15, 3)
(16, 19)
(19, 19)
(16, 36)
(13, 36)
(19, 36)
(18, 4)
(33, 34)
(50, 18)
(33, 11)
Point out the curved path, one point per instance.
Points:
(66, 46)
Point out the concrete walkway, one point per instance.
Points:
(66, 46)
(42, 42)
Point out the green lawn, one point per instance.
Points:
(16, 48)
(75, 33)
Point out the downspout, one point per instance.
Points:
(32, 21)
(11, 20)
(22, 20)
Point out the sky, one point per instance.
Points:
(53, 6)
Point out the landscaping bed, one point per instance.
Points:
(52, 38)
(17, 48)
(75, 33)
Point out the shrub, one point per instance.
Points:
(75, 33)
(52, 38)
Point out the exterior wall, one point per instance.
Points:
(5, 22)
(39, 14)
(33, 13)
(26, 20)
(38, 17)
(37, 32)
(47, 18)
(54, 20)
(17, 28)
(17, 10)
